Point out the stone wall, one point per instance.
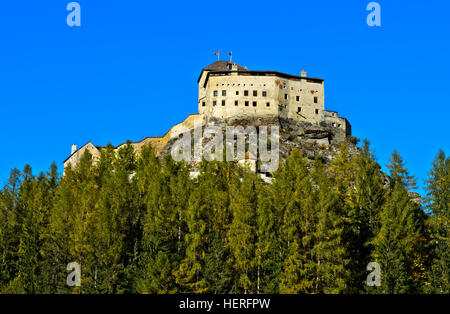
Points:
(235, 94)
(158, 143)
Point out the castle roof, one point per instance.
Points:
(224, 66)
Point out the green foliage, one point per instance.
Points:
(137, 223)
(438, 203)
(398, 244)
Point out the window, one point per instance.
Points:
(339, 125)
(333, 124)
(214, 103)
(317, 111)
(223, 102)
(299, 109)
(315, 100)
(246, 103)
(268, 104)
(224, 93)
(246, 93)
(215, 93)
(297, 98)
(254, 104)
(203, 104)
(264, 93)
(237, 92)
(236, 103)
(285, 96)
(255, 93)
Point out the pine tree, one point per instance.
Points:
(438, 203)
(299, 221)
(71, 226)
(36, 201)
(113, 207)
(204, 267)
(242, 231)
(10, 229)
(399, 173)
(368, 197)
(164, 228)
(397, 245)
(268, 245)
(330, 257)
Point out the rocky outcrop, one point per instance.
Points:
(315, 140)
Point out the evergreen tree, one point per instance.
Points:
(242, 231)
(438, 203)
(299, 221)
(166, 196)
(207, 217)
(330, 258)
(368, 197)
(10, 230)
(398, 244)
(268, 246)
(399, 173)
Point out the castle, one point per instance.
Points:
(227, 90)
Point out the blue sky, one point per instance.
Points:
(112, 78)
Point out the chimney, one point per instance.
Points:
(74, 148)
(303, 73)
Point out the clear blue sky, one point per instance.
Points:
(112, 78)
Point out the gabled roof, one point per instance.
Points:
(79, 150)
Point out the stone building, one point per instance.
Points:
(227, 90)
(230, 91)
